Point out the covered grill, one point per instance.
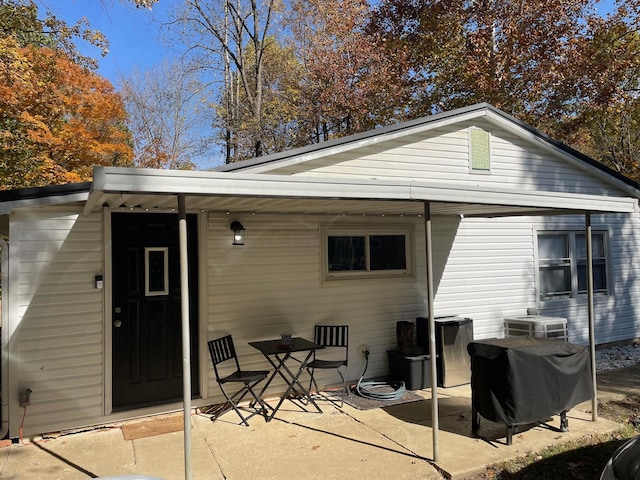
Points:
(520, 380)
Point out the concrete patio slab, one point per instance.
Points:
(393, 443)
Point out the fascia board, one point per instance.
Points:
(213, 183)
(163, 182)
(7, 207)
(520, 198)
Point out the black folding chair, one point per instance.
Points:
(222, 350)
(335, 355)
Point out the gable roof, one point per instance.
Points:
(485, 110)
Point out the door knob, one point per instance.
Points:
(117, 323)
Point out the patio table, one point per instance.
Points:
(278, 355)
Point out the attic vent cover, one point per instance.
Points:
(479, 150)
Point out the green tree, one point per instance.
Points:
(19, 19)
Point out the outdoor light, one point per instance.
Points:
(238, 233)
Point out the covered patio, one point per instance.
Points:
(250, 194)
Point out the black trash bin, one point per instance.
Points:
(453, 334)
(412, 369)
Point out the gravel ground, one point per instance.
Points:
(617, 357)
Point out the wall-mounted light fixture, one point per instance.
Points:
(238, 232)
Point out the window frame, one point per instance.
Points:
(573, 260)
(147, 271)
(367, 231)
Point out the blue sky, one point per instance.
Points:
(133, 33)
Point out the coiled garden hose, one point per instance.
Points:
(383, 391)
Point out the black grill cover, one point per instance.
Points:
(519, 380)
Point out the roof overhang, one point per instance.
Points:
(221, 191)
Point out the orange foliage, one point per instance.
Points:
(57, 119)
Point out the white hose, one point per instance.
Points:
(379, 390)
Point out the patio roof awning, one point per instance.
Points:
(238, 192)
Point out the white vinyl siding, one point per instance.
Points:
(484, 269)
(273, 284)
(57, 312)
(442, 155)
(490, 273)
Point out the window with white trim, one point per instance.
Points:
(562, 263)
(360, 251)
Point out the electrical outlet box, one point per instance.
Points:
(25, 397)
(363, 351)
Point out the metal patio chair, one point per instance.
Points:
(223, 350)
(334, 338)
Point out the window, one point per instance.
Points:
(156, 272)
(359, 251)
(562, 263)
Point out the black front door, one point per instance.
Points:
(146, 316)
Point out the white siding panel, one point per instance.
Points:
(484, 269)
(477, 283)
(58, 318)
(443, 155)
(617, 315)
(487, 272)
(273, 284)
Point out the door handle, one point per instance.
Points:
(117, 323)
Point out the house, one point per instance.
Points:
(337, 232)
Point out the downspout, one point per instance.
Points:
(432, 330)
(4, 348)
(186, 350)
(592, 328)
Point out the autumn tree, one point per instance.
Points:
(281, 100)
(57, 119)
(219, 34)
(606, 122)
(515, 55)
(167, 116)
(351, 84)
